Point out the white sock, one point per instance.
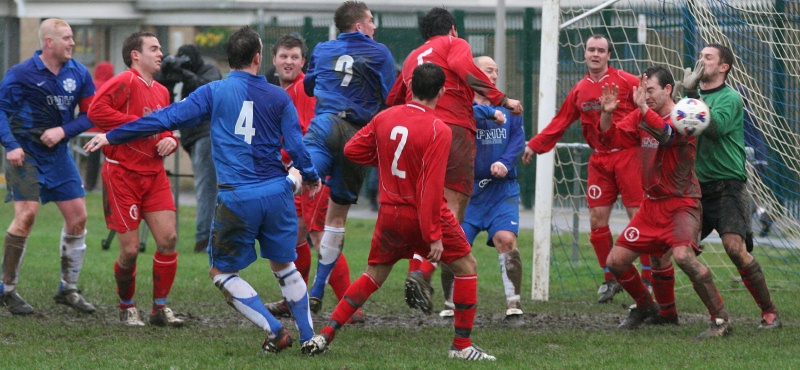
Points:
(331, 244)
(238, 292)
(73, 250)
(508, 286)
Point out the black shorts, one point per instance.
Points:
(726, 207)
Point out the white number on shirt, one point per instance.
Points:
(345, 65)
(423, 55)
(244, 124)
(403, 132)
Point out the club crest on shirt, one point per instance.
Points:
(69, 85)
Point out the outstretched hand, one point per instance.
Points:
(609, 98)
(640, 94)
(96, 143)
(690, 82)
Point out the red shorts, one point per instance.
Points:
(662, 224)
(614, 173)
(313, 211)
(397, 235)
(460, 173)
(127, 194)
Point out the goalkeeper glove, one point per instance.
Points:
(691, 79)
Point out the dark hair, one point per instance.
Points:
(133, 42)
(289, 42)
(598, 36)
(426, 81)
(725, 56)
(348, 14)
(436, 22)
(662, 75)
(243, 45)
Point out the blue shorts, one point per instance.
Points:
(493, 207)
(50, 178)
(263, 212)
(325, 140)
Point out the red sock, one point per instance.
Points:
(632, 283)
(602, 242)
(126, 284)
(465, 298)
(356, 295)
(303, 261)
(664, 291)
(427, 269)
(164, 268)
(753, 278)
(413, 264)
(647, 273)
(339, 279)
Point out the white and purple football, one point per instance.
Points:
(690, 116)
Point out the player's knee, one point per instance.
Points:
(617, 263)
(505, 241)
(466, 265)
(25, 218)
(167, 243)
(684, 257)
(127, 257)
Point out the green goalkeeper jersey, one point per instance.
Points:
(720, 148)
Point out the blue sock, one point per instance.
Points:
(293, 289)
(243, 298)
(323, 272)
(255, 304)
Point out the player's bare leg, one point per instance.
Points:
(465, 300)
(72, 249)
(703, 283)
(331, 245)
(456, 203)
(510, 270)
(601, 239)
(13, 253)
(125, 276)
(165, 265)
(620, 263)
(664, 291)
(753, 278)
(240, 295)
(355, 296)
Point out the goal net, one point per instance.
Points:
(765, 37)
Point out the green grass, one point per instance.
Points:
(569, 331)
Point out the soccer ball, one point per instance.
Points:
(690, 116)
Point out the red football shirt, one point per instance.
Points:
(462, 80)
(583, 102)
(303, 103)
(409, 145)
(667, 169)
(305, 108)
(122, 99)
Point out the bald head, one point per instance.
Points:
(49, 29)
(488, 66)
(55, 38)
